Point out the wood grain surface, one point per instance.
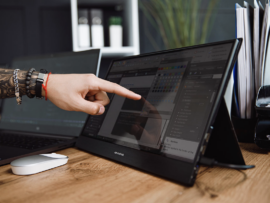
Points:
(88, 178)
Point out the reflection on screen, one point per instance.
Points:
(43, 116)
(178, 91)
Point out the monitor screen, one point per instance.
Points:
(42, 116)
(178, 91)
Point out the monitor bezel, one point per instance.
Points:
(48, 56)
(175, 170)
(61, 54)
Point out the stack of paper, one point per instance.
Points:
(253, 64)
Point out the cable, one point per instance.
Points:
(243, 167)
(212, 162)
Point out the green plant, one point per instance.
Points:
(179, 22)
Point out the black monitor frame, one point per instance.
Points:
(172, 169)
(45, 57)
(61, 54)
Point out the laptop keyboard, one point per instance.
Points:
(28, 142)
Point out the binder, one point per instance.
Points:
(253, 65)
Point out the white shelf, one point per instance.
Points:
(131, 25)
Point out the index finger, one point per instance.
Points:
(117, 89)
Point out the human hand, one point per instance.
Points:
(83, 92)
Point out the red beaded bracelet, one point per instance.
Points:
(45, 86)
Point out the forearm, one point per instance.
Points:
(7, 88)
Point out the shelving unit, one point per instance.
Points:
(131, 26)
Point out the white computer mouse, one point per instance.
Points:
(37, 163)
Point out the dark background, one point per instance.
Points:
(33, 27)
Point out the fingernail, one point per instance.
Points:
(101, 110)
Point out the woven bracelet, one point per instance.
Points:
(16, 84)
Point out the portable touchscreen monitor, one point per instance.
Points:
(167, 131)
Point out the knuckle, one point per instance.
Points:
(91, 80)
(107, 101)
(95, 109)
(90, 76)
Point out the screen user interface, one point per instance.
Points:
(43, 116)
(178, 92)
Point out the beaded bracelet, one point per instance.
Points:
(16, 84)
(27, 83)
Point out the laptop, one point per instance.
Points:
(38, 126)
(168, 130)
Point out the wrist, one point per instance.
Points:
(44, 83)
(40, 83)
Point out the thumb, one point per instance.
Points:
(92, 108)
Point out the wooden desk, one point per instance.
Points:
(88, 178)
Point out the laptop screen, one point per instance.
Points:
(178, 93)
(43, 116)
